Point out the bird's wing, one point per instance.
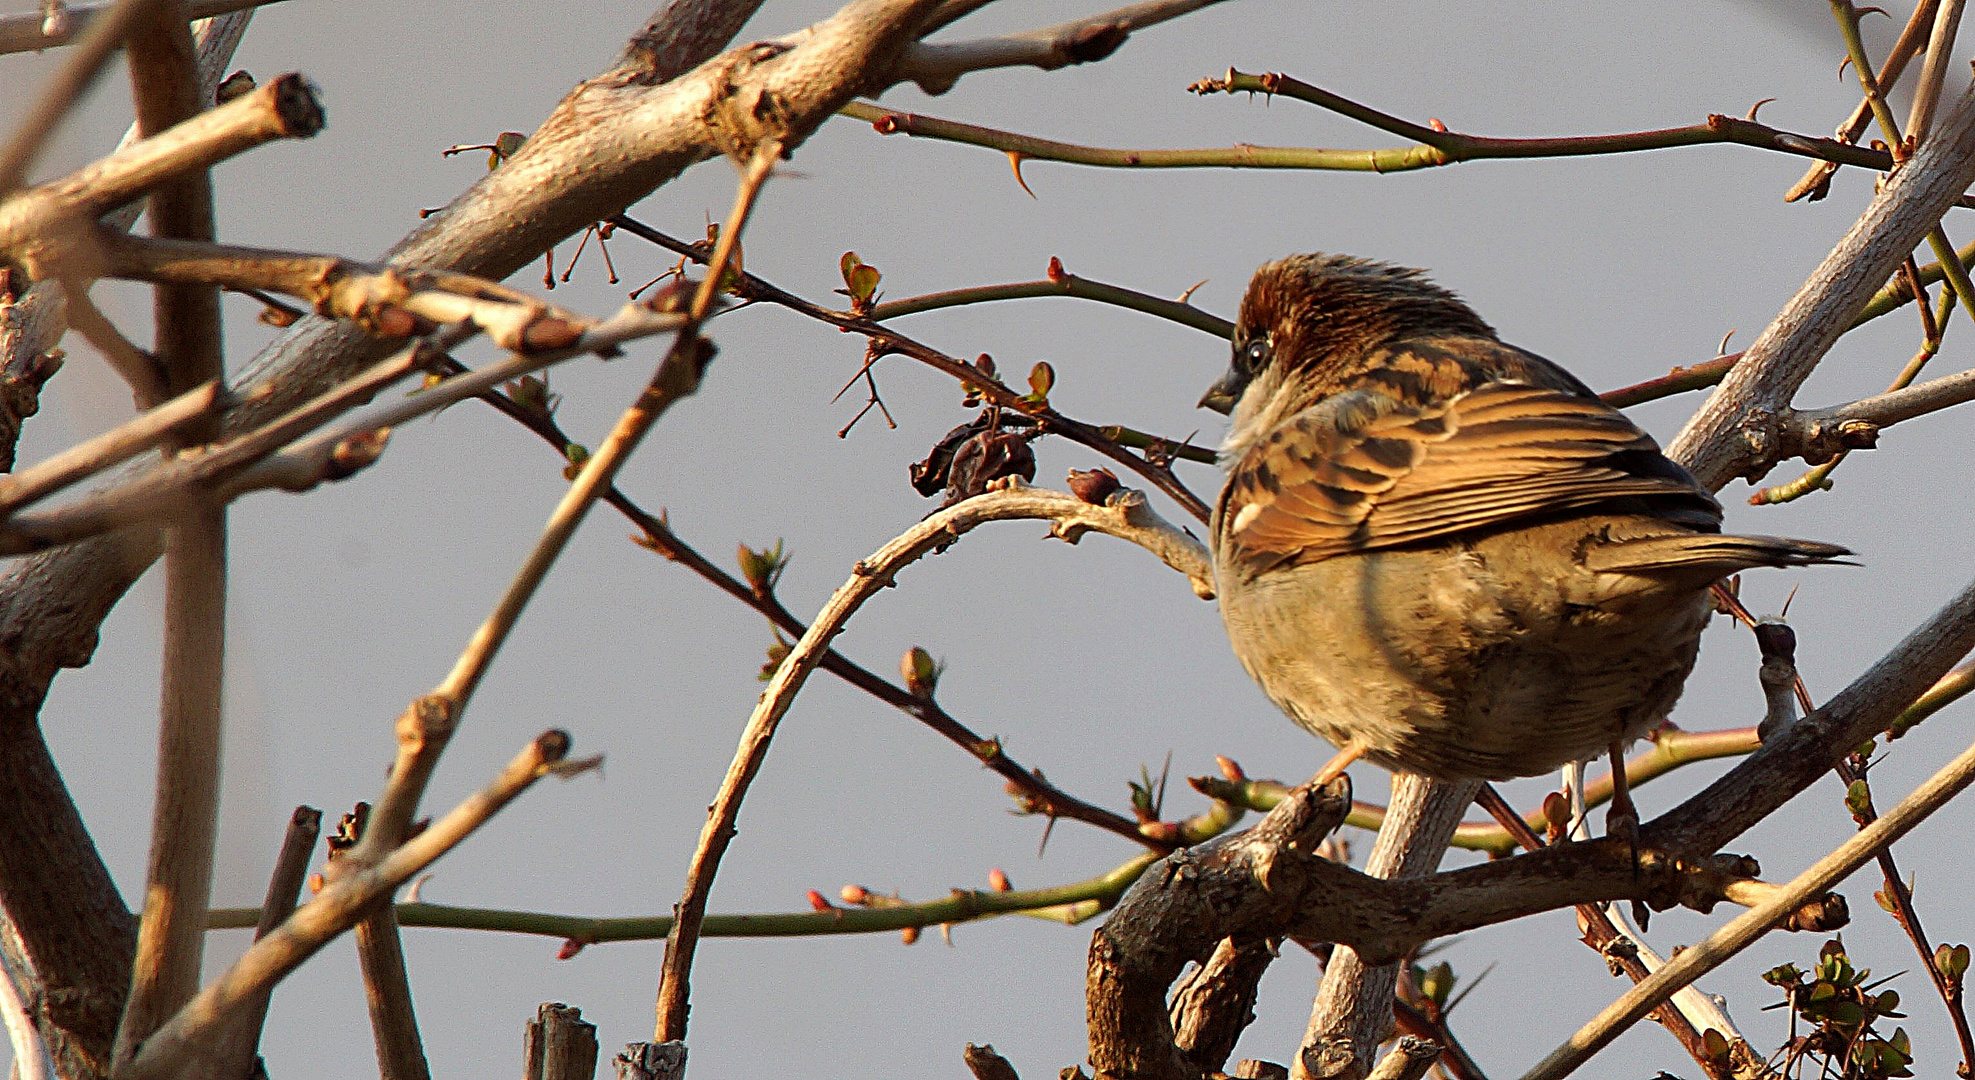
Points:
(1361, 471)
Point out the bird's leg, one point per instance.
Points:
(1622, 818)
(1334, 768)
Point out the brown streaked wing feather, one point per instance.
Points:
(1361, 471)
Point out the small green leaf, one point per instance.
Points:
(1782, 975)
(1437, 982)
(1858, 797)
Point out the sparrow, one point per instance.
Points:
(1440, 552)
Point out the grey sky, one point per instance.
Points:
(1089, 661)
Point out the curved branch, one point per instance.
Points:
(1122, 516)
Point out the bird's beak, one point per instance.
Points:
(1221, 396)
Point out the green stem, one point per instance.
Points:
(1952, 687)
(1139, 440)
(1063, 285)
(1436, 148)
(1671, 748)
(1081, 899)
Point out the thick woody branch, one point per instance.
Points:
(1215, 1002)
(1737, 433)
(937, 66)
(1352, 1015)
(192, 1032)
(1179, 913)
(284, 108)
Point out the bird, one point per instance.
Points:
(1445, 554)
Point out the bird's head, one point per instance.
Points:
(1309, 320)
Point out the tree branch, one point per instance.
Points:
(192, 1032)
(1736, 433)
(937, 66)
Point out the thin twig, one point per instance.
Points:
(1817, 179)
(236, 1055)
(1034, 793)
(992, 389)
(1434, 149)
(137, 368)
(1933, 74)
(112, 448)
(1059, 283)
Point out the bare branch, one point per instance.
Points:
(113, 447)
(1353, 1012)
(1817, 180)
(937, 66)
(1736, 432)
(191, 1033)
(1224, 889)
(99, 42)
(284, 108)
(1818, 435)
(28, 33)
(1940, 51)
(31, 1059)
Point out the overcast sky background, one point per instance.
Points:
(1090, 661)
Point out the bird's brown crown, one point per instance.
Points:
(1324, 308)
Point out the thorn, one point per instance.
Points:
(1188, 294)
(411, 894)
(1753, 109)
(1015, 159)
(1788, 599)
(1721, 350)
(1046, 830)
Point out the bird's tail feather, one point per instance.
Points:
(1708, 554)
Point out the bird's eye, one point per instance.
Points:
(1253, 356)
